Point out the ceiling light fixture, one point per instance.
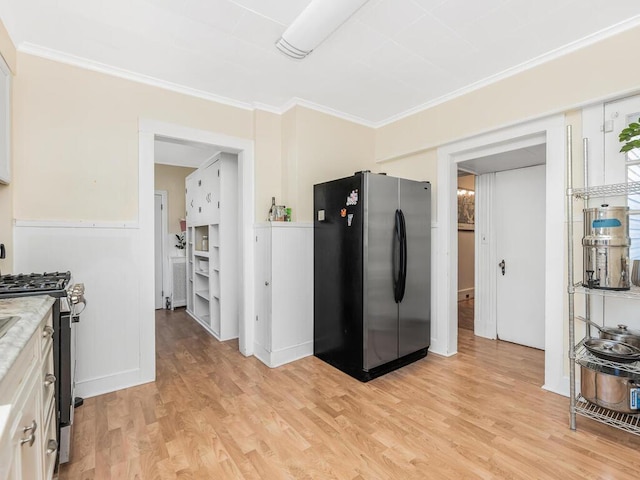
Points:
(316, 22)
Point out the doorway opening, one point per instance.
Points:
(466, 249)
(510, 245)
(178, 137)
(160, 207)
(174, 160)
(475, 155)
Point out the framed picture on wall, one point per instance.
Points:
(466, 209)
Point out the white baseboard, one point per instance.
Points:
(286, 355)
(466, 294)
(110, 383)
(561, 388)
(440, 348)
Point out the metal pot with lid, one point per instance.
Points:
(610, 388)
(612, 350)
(606, 247)
(621, 333)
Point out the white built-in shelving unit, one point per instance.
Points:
(212, 263)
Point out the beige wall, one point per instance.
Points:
(466, 247)
(594, 72)
(76, 132)
(268, 161)
(326, 148)
(289, 166)
(421, 166)
(78, 129)
(171, 179)
(8, 52)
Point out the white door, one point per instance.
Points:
(520, 243)
(263, 288)
(158, 250)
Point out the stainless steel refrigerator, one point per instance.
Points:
(372, 273)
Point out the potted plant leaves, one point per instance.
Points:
(631, 136)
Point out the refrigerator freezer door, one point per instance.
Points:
(380, 309)
(415, 308)
(338, 273)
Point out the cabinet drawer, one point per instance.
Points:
(46, 333)
(26, 435)
(15, 379)
(48, 379)
(50, 443)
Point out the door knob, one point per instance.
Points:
(49, 379)
(502, 265)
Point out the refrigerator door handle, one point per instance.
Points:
(403, 256)
(397, 252)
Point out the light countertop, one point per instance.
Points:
(31, 311)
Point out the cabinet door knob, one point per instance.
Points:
(49, 379)
(52, 446)
(30, 439)
(31, 430)
(47, 331)
(266, 283)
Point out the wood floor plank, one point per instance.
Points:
(213, 413)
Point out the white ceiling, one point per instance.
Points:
(181, 153)
(391, 58)
(498, 162)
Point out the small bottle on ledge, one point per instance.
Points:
(272, 211)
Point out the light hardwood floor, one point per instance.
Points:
(466, 314)
(214, 414)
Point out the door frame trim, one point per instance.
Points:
(164, 231)
(445, 333)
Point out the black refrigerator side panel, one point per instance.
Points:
(338, 301)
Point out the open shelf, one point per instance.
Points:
(633, 293)
(204, 294)
(606, 190)
(623, 421)
(201, 253)
(584, 356)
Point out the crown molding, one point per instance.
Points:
(301, 102)
(547, 57)
(81, 62)
(58, 56)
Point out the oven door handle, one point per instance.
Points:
(75, 316)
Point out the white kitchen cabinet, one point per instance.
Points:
(190, 187)
(206, 186)
(28, 442)
(212, 266)
(284, 292)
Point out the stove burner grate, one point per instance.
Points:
(34, 282)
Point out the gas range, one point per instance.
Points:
(20, 285)
(55, 284)
(69, 304)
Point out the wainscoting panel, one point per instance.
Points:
(114, 328)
